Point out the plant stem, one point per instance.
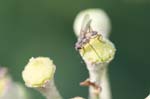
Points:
(98, 75)
(50, 91)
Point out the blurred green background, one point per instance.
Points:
(44, 28)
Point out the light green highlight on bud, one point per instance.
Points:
(38, 71)
(4, 81)
(3, 85)
(97, 50)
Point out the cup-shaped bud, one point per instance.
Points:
(38, 72)
(97, 50)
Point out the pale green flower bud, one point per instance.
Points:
(38, 72)
(10, 89)
(97, 50)
(4, 81)
(100, 21)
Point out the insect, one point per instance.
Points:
(86, 33)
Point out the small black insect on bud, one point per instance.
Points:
(77, 47)
(94, 33)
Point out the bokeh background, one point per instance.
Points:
(44, 28)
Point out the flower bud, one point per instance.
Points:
(97, 50)
(4, 81)
(38, 72)
(100, 21)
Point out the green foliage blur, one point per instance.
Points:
(31, 28)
